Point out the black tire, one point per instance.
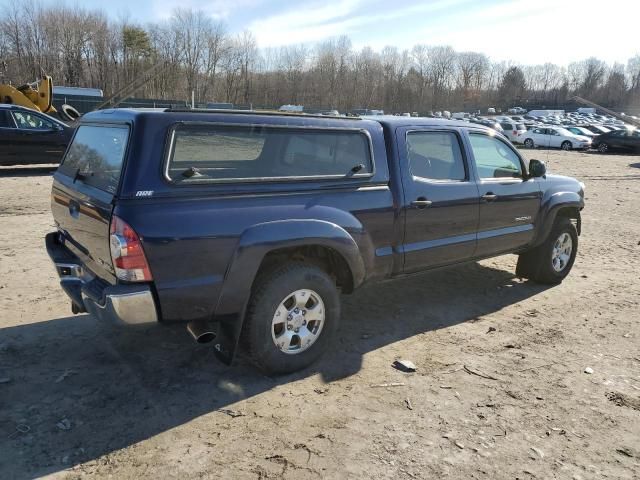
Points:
(566, 145)
(529, 143)
(603, 147)
(68, 113)
(269, 291)
(537, 264)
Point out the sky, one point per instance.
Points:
(521, 31)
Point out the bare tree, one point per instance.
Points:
(441, 68)
(82, 47)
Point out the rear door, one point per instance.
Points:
(555, 139)
(509, 203)
(440, 202)
(84, 188)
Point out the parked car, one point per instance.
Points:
(513, 131)
(581, 131)
(30, 137)
(628, 139)
(554, 137)
(246, 227)
(366, 111)
(597, 129)
(488, 123)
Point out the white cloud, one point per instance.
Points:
(217, 9)
(527, 32)
(306, 22)
(311, 22)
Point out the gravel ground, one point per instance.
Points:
(500, 390)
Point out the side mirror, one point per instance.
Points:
(537, 168)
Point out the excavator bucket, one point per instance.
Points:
(37, 95)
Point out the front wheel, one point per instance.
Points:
(551, 261)
(292, 315)
(528, 143)
(566, 145)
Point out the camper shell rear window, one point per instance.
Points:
(204, 153)
(96, 154)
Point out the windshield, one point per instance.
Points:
(95, 156)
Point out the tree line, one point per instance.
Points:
(83, 47)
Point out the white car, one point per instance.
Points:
(514, 131)
(554, 137)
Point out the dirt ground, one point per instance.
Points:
(500, 390)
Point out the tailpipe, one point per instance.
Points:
(201, 332)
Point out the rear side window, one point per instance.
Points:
(206, 153)
(5, 120)
(520, 126)
(435, 155)
(506, 126)
(95, 156)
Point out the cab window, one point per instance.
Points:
(494, 159)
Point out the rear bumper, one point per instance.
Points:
(128, 304)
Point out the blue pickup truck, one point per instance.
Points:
(246, 226)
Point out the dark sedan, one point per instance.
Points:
(628, 139)
(31, 137)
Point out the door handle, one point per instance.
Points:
(421, 202)
(489, 197)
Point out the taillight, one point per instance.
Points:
(127, 254)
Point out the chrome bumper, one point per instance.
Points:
(129, 304)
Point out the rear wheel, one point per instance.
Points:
(603, 148)
(292, 315)
(551, 261)
(566, 145)
(528, 143)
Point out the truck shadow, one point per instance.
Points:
(28, 171)
(79, 390)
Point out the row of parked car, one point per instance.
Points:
(572, 131)
(30, 137)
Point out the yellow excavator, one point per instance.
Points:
(37, 95)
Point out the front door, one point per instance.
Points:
(440, 204)
(38, 140)
(509, 201)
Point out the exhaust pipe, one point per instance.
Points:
(201, 332)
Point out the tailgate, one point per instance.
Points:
(84, 188)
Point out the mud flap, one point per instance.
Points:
(226, 342)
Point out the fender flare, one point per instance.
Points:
(254, 244)
(550, 209)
